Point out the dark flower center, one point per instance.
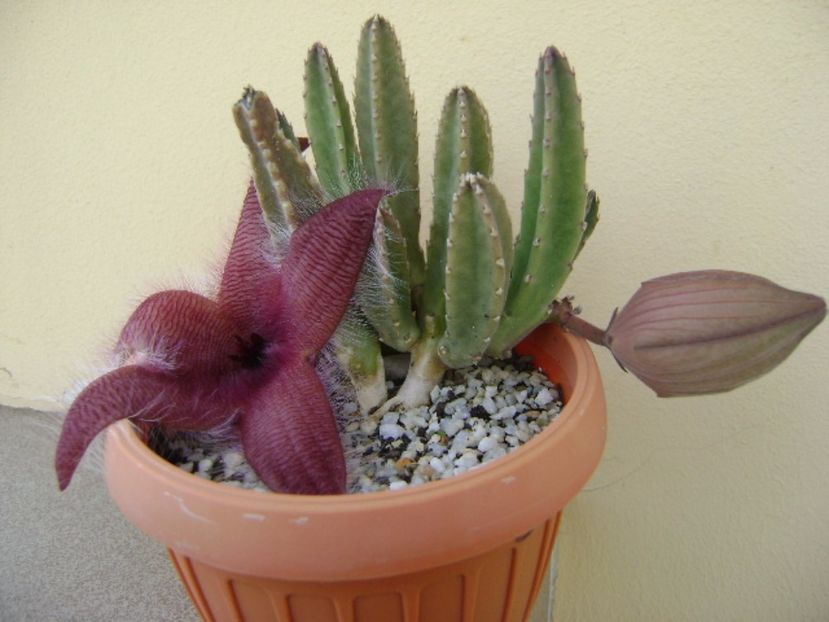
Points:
(251, 351)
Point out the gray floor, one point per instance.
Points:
(72, 556)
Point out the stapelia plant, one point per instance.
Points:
(246, 358)
(193, 363)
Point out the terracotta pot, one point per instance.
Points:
(473, 547)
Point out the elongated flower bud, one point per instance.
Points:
(693, 333)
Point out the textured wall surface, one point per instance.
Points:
(121, 172)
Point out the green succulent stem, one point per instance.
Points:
(358, 351)
(287, 190)
(328, 120)
(387, 130)
(553, 212)
(386, 119)
(464, 145)
(478, 257)
(385, 287)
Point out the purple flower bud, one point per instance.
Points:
(693, 333)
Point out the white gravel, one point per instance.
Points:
(476, 415)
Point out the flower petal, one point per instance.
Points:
(250, 273)
(321, 268)
(182, 332)
(145, 396)
(290, 436)
(126, 392)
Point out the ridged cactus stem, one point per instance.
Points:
(287, 190)
(385, 287)
(358, 351)
(478, 258)
(464, 146)
(384, 111)
(387, 129)
(553, 213)
(328, 120)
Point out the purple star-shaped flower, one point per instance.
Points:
(192, 363)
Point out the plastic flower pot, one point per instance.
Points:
(472, 547)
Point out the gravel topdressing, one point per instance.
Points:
(476, 415)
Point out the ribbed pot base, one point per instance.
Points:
(498, 586)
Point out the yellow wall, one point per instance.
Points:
(121, 172)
